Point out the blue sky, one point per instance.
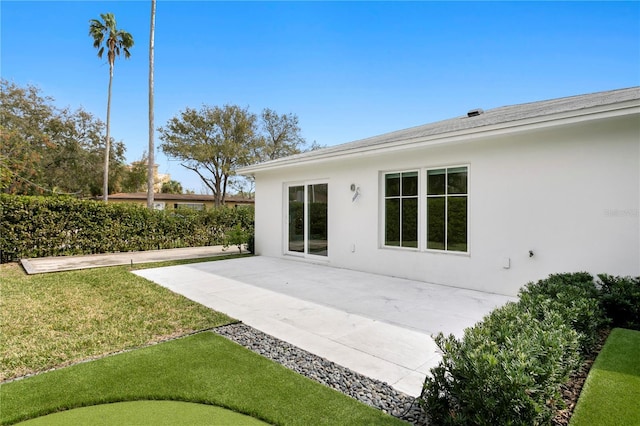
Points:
(349, 70)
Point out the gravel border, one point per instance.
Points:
(369, 391)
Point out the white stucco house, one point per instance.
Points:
(489, 200)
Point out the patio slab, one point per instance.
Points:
(376, 325)
(44, 265)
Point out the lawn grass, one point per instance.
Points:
(203, 368)
(611, 393)
(157, 413)
(50, 320)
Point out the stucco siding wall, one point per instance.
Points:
(569, 195)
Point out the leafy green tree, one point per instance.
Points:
(281, 135)
(106, 36)
(73, 162)
(135, 179)
(45, 150)
(171, 187)
(315, 146)
(23, 115)
(212, 142)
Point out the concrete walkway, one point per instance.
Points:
(43, 265)
(376, 325)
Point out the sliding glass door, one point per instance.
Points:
(307, 227)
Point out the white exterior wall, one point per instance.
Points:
(571, 195)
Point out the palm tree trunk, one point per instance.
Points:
(150, 174)
(107, 151)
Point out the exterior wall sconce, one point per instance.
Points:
(356, 192)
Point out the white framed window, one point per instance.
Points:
(401, 209)
(447, 200)
(426, 209)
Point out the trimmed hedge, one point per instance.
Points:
(57, 226)
(620, 298)
(574, 297)
(508, 369)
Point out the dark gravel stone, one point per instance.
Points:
(369, 391)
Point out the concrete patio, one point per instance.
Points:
(376, 325)
(43, 265)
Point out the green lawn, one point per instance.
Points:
(157, 413)
(611, 393)
(202, 368)
(57, 319)
(54, 319)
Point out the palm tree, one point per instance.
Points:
(151, 159)
(107, 37)
(171, 187)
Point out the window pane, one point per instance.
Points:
(296, 219)
(435, 223)
(436, 182)
(392, 185)
(457, 224)
(410, 222)
(392, 222)
(410, 184)
(317, 232)
(457, 180)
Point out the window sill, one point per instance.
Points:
(453, 253)
(430, 251)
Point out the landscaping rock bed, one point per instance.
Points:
(373, 392)
(369, 391)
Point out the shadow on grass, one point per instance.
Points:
(203, 368)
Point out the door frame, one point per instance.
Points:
(285, 213)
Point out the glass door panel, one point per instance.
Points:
(308, 225)
(317, 219)
(296, 219)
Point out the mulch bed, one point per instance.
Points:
(571, 390)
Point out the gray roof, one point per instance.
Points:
(506, 115)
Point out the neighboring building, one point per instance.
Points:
(179, 201)
(158, 178)
(490, 200)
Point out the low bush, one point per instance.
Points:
(55, 226)
(506, 370)
(620, 298)
(574, 297)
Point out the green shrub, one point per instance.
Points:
(54, 226)
(620, 298)
(506, 370)
(577, 283)
(574, 297)
(237, 236)
(251, 243)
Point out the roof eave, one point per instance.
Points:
(528, 124)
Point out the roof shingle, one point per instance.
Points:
(496, 116)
